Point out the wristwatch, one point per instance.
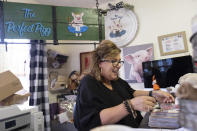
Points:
(151, 93)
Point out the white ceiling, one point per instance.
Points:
(72, 3)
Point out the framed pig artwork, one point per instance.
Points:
(134, 56)
(85, 61)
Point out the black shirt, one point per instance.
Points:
(93, 97)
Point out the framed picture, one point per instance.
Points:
(173, 43)
(134, 56)
(85, 61)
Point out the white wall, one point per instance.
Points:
(160, 17)
(156, 17)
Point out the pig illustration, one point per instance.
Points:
(136, 59)
(77, 26)
(116, 29)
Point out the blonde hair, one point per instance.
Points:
(73, 84)
(105, 49)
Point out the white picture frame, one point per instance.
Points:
(121, 26)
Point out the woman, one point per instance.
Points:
(104, 98)
(73, 80)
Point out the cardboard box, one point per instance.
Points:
(14, 99)
(9, 84)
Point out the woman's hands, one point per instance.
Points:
(143, 103)
(163, 97)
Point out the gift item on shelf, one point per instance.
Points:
(53, 78)
(61, 82)
(66, 107)
(57, 82)
(160, 118)
(55, 60)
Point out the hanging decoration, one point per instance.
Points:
(44, 22)
(121, 24)
(117, 6)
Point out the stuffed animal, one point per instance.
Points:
(188, 87)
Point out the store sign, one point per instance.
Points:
(27, 21)
(77, 23)
(22, 28)
(43, 22)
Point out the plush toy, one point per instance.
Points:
(188, 87)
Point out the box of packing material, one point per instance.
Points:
(9, 84)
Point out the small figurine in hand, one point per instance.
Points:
(154, 83)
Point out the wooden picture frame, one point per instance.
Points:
(173, 43)
(85, 61)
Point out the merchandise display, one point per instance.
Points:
(75, 82)
(161, 118)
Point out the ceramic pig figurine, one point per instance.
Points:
(136, 60)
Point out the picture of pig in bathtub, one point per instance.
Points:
(76, 26)
(133, 57)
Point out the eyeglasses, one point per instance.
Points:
(115, 63)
